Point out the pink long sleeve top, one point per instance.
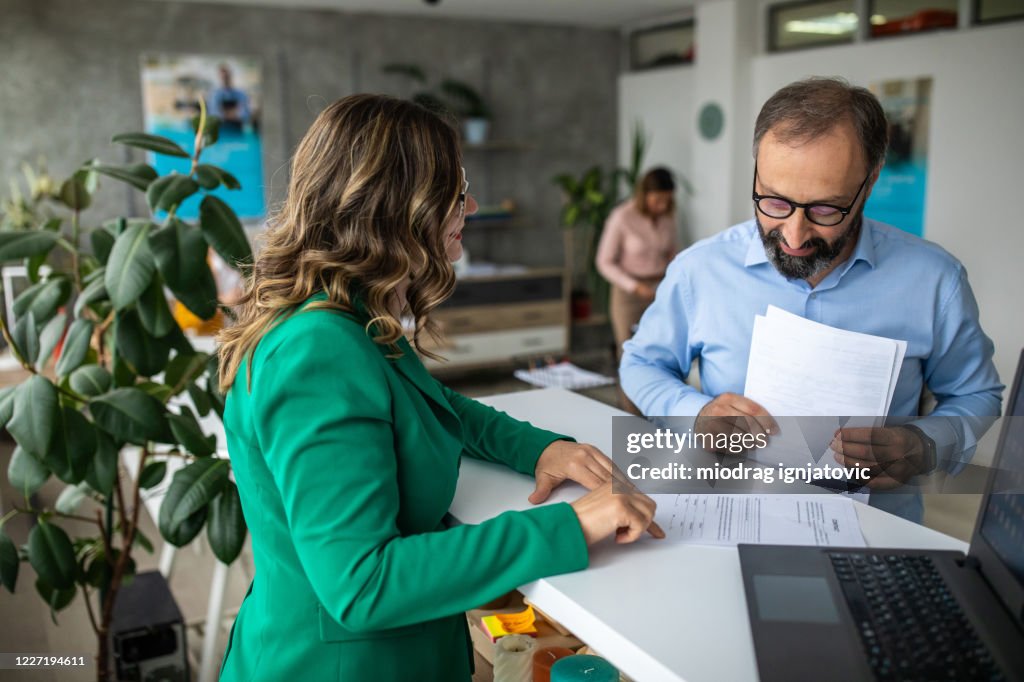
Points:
(633, 246)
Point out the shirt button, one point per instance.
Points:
(814, 295)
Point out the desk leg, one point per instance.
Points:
(214, 613)
(167, 554)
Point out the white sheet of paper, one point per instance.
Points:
(824, 520)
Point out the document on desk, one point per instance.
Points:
(800, 368)
(727, 520)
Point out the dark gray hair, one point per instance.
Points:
(814, 106)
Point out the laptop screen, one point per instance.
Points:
(1003, 522)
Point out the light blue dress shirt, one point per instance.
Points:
(893, 285)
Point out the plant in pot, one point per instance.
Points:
(119, 379)
(588, 200)
(455, 96)
(471, 108)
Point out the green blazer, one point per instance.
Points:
(346, 462)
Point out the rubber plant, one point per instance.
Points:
(110, 374)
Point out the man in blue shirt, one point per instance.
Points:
(819, 145)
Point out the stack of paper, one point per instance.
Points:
(800, 368)
(562, 375)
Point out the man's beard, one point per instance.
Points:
(805, 267)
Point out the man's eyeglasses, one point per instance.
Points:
(462, 194)
(826, 215)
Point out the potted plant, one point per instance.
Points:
(123, 360)
(457, 97)
(471, 108)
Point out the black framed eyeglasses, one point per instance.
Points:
(462, 194)
(826, 215)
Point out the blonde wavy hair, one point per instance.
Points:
(374, 182)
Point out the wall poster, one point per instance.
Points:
(231, 87)
(898, 197)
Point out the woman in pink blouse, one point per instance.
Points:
(638, 242)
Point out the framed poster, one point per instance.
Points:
(231, 87)
(898, 198)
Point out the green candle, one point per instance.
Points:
(583, 669)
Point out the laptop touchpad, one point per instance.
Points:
(794, 598)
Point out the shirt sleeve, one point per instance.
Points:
(657, 360)
(961, 375)
(327, 434)
(609, 252)
(494, 436)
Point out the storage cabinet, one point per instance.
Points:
(492, 320)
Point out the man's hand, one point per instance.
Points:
(731, 413)
(894, 454)
(578, 462)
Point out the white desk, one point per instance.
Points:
(657, 610)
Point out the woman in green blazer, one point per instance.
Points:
(346, 451)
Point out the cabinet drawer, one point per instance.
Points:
(499, 346)
(473, 319)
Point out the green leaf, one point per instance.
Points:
(50, 337)
(56, 599)
(167, 192)
(187, 431)
(43, 298)
(36, 415)
(191, 490)
(184, 368)
(32, 266)
(103, 469)
(122, 371)
(226, 530)
(131, 415)
(26, 473)
(143, 541)
(224, 232)
(153, 310)
(90, 380)
(161, 392)
(153, 143)
(74, 445)
(200, 399)
(211, 129)
(94, 291)
(9, 562)
(180, 253)
(76, 346)
(88, 177)
(209, 177)
(102, 242)
(51, 554)
(26, 338)
(147, 354)
(25, 244)
(74, 195)
(137, 175)
(130, 267)
(71, 498)
(6, 405)
(152, 474)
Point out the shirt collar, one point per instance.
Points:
(864, 250)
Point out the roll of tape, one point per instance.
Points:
(513, 658)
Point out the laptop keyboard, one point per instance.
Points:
(910, 624)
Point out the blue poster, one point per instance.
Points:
(231, 88)
(898, 198)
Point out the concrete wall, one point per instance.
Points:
(70, 80)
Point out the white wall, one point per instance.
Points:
(661, 101)
(975, 193)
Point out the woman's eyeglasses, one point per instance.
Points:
(462, 194)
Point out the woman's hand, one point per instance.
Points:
(562, 460)
(626, 515)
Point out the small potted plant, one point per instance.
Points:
(471, 108)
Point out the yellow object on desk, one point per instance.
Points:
(188, 321)
(501, 624)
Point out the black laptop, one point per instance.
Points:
(823, 613)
